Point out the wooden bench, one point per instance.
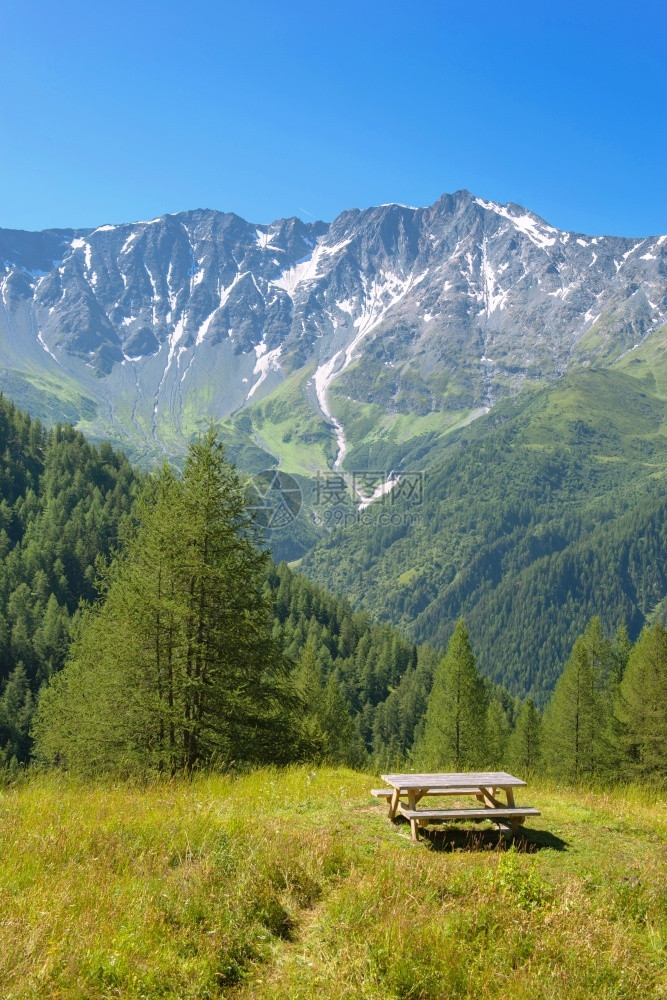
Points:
(422, 817)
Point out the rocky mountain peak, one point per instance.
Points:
(439, 309)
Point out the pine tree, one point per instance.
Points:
(177, 665)
(454, 729)
(641, 707)
(308, 683)
(343, 742)
(497, 735)
(576, 721)
(16, 709)
(329, 731)
(615, 763)
(234, 671)
(523, 745)
(622, 647)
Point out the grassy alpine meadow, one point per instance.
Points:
(294, 884)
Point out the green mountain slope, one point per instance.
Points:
(62, 502)
(550, 509)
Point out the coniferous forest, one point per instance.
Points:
(144, 629)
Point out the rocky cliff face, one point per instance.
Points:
(161, 325)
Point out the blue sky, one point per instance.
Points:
(120, 111)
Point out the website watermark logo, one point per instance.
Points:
(275, 498)
(335, 499)
(367, 497)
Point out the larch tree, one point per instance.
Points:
(454, 729)
(641, 707)
(177, 664)
(576, 721)
(497, 735)
(523, 745)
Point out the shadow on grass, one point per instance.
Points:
(457, 838)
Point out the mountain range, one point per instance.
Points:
(318, 345)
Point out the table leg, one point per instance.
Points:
(516, 821)
(414, 823)
(393, 803)
(488, 798)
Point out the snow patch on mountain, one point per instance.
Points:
(632, 249)
(46, 347)
(323, 378)
(225, 292)
(380, 491)
(381, 295)
(540, 234)
(174, 340)
(494, 296)
(127, 245)
(306, 269)
(197, 279)
(264, 241)
(266, 361)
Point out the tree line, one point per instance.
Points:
(606, 719)
(147, 630)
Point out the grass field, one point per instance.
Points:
(293, 884)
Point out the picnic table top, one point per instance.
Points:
(476, 779)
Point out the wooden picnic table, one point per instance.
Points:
(484, 785)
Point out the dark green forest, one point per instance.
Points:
(144, 628)
(62, 502)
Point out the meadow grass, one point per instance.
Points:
(294, 884)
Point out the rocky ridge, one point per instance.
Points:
(167, 323)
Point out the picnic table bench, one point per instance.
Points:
(484, 785)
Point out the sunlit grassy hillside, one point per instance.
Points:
(294, 884)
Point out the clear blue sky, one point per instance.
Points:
(120, 111)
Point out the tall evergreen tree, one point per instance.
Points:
(343, 743)
(622, 647)
(641, 707)
(523, 745)
(329, 731)
(576, 720)
(454, 729)
(177, 664)
(16, 709)
(497, 735)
